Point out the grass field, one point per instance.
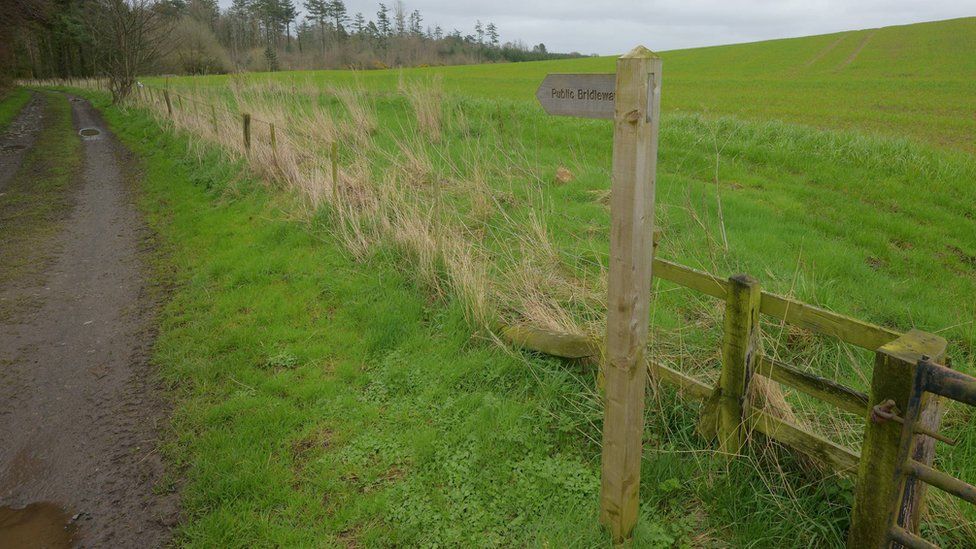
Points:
(906, 81)
(382, 285)
(328, 402)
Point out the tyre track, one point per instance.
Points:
(80, 413)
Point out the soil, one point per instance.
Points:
(19, 138)
(80, 412)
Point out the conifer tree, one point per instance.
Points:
(359, 23)
(318, 11)
(339, 14)
(492, 32)
(383, 20)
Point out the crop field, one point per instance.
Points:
(836, 169)
(907, 81)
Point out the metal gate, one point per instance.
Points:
(938, 380)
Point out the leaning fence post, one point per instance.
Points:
(169, 104)
(894, 372)
(247, 131)
(635, 139)
(740, 351)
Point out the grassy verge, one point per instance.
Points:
(439, 184)
(323, 400)
(36, 201)
(11, 102)
(327, 402)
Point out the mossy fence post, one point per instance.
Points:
(213, 119)
(274, 142)
(635, 140)
(894, 372)
(740, 352)
(246, 118)
(169, 104)
(334, 158)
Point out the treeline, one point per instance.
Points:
(261, 35)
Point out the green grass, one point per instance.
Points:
(36, 200)
(11, 102)
(910, 80)
(322, 401)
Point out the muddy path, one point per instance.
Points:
(19, 138)
(80, 414)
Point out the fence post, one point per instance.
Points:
(213, 118)
(894, 372)
(247, 131)
(274, 142)
(179, 98)
(334, 157)
(635, 139)
(741, 347)
(169, 104)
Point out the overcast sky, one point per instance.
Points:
(595, 26)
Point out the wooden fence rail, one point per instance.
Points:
(896, 354)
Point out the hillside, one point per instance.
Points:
(910, 80)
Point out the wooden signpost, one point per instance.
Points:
(632, 99)
(580, 95)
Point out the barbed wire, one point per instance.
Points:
(239, 113)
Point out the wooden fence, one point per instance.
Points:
(875, 465)
(896, 356)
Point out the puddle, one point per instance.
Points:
(13, 148)
(89, 132)
(37, 525)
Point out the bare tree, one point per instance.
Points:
(129, 37)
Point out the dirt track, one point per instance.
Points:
(79, 412)
(19, 138)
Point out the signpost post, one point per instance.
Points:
(632, 99)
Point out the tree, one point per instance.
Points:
(319, 11)
(129, 37)
(492, 32)
(416, 23)
(27, 17)
(400, 18)
(274, 17)
(339, 14)
(359, 23)
(479, 32)
(205, 11)
(288, 13)
(271, 56)
(371, 30)
(383, 20)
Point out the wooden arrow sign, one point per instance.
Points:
(584, 95)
